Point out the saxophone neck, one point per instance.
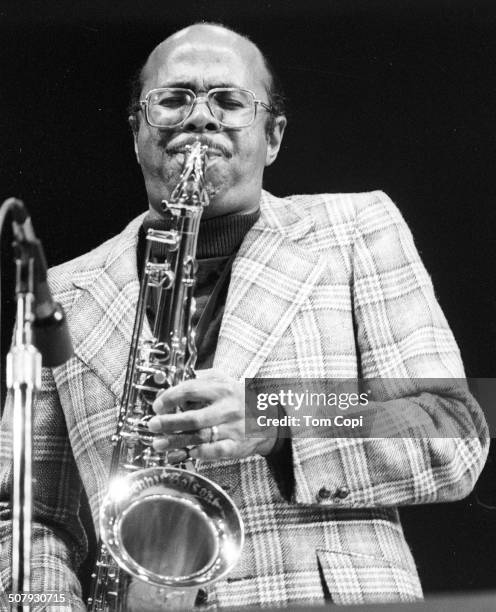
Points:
(191, 189)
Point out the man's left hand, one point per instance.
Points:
(215, 428)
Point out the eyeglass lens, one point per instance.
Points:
(232, 107)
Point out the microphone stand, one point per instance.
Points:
(41, 332)
(24, 381)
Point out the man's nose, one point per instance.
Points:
(201, 117)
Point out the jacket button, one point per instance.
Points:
(324, 493)
(342, 492)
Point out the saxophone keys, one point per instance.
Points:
(160, 378)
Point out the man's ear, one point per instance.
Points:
(274, 139)
(134, 123)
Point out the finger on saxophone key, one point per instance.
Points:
(179, 456)
(154, 425)
(161, 444)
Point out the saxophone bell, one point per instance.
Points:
(171, 528)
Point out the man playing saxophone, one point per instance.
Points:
(310, 286)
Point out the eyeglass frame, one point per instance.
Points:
(144, 103)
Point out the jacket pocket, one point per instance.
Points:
(355, 578)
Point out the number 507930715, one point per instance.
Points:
(28, 598)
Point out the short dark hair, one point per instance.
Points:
(275, 93)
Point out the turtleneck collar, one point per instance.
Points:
(222, 236)
(218, 236)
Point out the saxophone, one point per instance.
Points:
(165, 531)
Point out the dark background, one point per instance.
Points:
(397, 95)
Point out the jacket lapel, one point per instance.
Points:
(271, 278)
(102, 317)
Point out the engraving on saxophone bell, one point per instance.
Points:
(181, 480)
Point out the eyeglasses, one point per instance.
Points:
(168, 107)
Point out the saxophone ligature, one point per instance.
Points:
(164, 530)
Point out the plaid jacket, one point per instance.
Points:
(323, 286)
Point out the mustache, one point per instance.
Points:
(216, 147)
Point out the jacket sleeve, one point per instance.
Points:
(432, 440)
(59, 543)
